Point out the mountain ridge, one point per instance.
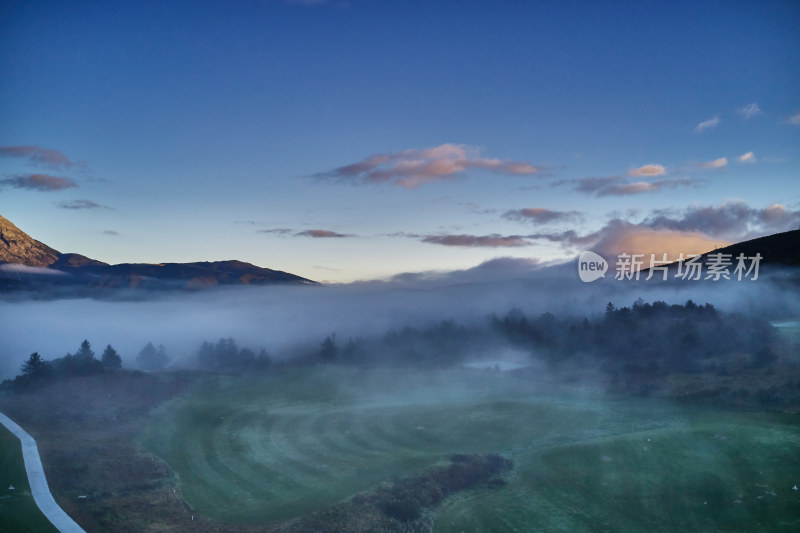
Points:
(43, 267)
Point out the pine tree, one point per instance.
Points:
(151, 359)
(111, 359)
(34, 366)
(328, 350)
(85, 351)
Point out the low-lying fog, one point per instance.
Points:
(281, 317)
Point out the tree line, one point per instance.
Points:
(643, 339)
(36, 370)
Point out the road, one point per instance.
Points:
(38, 481)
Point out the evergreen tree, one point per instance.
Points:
(328, 350)
(85, 352)
(111, 359)
(34, 366)
(150, 359)
(206, 355)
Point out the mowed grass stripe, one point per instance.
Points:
(712, 476)
(284, 449)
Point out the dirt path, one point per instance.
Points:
(38, 482)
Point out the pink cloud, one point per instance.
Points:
(650, 170)
(322, 234)
(478, 241)
(415, 167)
(38, 155)
(720, 162)
(39, 182)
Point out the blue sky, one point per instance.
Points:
(360, 139)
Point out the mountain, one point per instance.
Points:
(16, 246)
(29, 265)
(780, 249)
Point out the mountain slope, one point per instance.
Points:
(54, 270)
(778, 249)
(16, 246)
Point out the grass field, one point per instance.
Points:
(790, 329)
(18, 511)
(262, 449)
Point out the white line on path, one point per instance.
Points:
(39, 489)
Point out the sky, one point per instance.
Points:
(362, 139)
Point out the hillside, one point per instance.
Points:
(27, 264)
(16, 246)
(780, 249)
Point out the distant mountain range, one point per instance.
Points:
(29, 265)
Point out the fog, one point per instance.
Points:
(281, 318)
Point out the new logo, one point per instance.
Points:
(591, 266)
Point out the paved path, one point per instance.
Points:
(39, 489)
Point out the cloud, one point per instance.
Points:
(37, 155)
(315, 233)
(650, 170)
(321, 234)
(39, 182)
(720, 162)
(478, 210)
(478, 241)
(795, 119)
(734, 220)
(694, 230)
(25, 269)
(619, 236)
(540, 215)
(276, 231)
(749, 157)
(620, 186)
(569, 238)
(415, 167)
(110, 232)
(493, 270)
(634, 239)
(707, 124)
(81, 204)
(750, 110)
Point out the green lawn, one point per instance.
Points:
(18, 511)
(264, 449)
(789, 328)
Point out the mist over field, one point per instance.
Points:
(282, 318)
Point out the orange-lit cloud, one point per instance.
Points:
(650, 241)
(39, 182)
(650, 170)
(720, 162)
(415, 167)
(749, 157)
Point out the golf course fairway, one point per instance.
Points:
(260, 449)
